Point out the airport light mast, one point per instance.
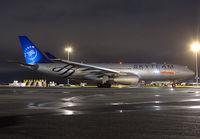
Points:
(196, 48)
(68, 50)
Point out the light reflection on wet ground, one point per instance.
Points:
(101, 113)
(153, 99)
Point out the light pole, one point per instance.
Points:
(68, 50)
(196, 48)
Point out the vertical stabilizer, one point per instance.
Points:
(31, 53)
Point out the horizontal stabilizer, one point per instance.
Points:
(50, 56)
(33, 67)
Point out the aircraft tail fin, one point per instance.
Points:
(31, 53)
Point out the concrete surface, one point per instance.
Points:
(89, 113)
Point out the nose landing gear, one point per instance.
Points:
(174, 83)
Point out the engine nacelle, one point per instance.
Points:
(127, 79)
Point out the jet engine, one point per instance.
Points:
(126, 79)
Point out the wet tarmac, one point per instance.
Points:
(89, 113)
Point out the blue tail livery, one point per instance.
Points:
(31, 53)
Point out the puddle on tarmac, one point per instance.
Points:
(78, 105)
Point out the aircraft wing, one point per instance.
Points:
(88, 67)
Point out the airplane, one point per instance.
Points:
(104, 75)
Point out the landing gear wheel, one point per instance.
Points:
(99, 85)
(108, 85)
(105, 85)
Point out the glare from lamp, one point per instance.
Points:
(195, 46)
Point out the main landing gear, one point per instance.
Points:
(105, 85)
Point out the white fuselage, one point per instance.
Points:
(143, 71)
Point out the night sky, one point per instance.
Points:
(132, 31)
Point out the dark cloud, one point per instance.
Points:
(102, 31)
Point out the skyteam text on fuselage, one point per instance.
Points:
(103, 74)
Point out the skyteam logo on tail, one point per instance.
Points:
(30, 52)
